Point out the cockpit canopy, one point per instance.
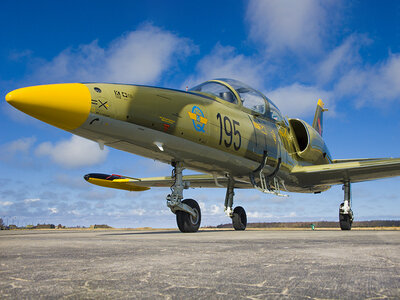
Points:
(236, 92)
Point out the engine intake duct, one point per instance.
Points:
(308, 142)
(300, 134)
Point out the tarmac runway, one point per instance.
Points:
(205, 265)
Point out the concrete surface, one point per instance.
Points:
(203, 265)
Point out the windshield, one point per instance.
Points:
(216, 89)
(251, 98)
(275, 112)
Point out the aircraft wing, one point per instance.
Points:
(353, 170)
(307, 176)
(142, 184)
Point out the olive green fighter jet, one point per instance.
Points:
(231, 133)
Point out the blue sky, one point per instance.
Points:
(345, 52)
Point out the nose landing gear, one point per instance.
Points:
(186, 222)
(188, 214)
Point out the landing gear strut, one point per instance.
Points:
(188, 214)
(345, 212)
(238, 215)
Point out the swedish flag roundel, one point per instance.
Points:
(198, 119)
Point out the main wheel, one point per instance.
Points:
(239, 218)
(345, 220)
(186, 222)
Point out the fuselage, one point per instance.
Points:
(208, 133)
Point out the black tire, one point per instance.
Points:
(185, 221)
(239, 218)
(345, 222)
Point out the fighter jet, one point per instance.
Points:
(232, 134)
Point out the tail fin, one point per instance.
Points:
(318, 118)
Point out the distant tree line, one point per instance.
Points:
(320, 224)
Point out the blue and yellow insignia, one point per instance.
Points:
(198, 119)
(260, 127)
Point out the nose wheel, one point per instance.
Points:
(188, 214)
(186, 222)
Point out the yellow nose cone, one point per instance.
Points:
(65, 105)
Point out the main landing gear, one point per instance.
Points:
(188, 214)
(345, 212)
(238, 215)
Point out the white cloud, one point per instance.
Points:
(53, 210)
(283, 25)
(21, 145)
(257, 214)
(137, 57)
(6, 203)
(215, 209)
(377, 84)
(224, 62)
(298, 100)
(211, 209)
(26, 201)
(138, 212)
(74, 212)
(73, 153)
(341, 58)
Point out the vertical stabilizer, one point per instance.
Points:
(318, 118)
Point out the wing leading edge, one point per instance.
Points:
(347, 170)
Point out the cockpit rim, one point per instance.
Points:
(268, 103)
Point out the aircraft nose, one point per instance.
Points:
(65, 105)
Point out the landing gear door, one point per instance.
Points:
(267, 139)
(258, 140)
